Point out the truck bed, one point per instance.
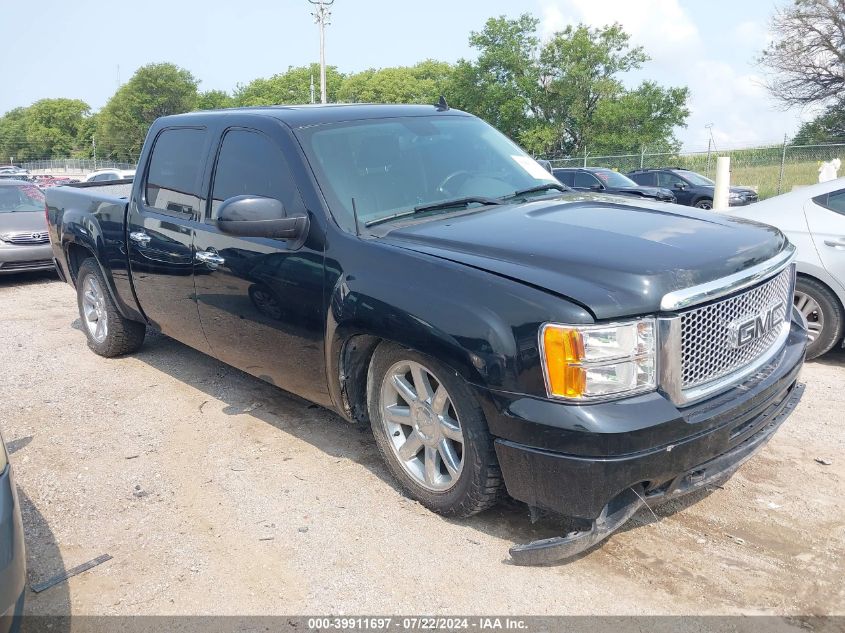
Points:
(114, 189)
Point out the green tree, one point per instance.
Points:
(291, 87)
(503, 85)
(829, 126)
(13, 136)
(85, 138)
(214, 100)
(153, 91)
(421, 83)
(48, 128)
(565, 95)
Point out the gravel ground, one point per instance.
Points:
(219, 494)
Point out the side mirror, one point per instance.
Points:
(253, 216)
(596, 187)
(680, 185)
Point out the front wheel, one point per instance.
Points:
(824, 316)
(706, 203)
(109, 333)
(431, 432)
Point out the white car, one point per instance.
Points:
(813, 218)
(104, 175)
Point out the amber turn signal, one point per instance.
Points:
(564, 349)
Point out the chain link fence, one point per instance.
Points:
(76, 166)
(770, 169)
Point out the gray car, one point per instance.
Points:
(813, 218)
(24, 243)
(12, 558)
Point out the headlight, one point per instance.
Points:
(597, 361)
(735, 196)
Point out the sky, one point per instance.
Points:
(83, 49)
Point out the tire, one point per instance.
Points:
(454, 492)
(266, 301)
(704, 203)
(109, 333)
(824, 315)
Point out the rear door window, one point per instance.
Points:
(585, 180)
(173, 177)
(566, 177)
(835, 201)
(646, 179)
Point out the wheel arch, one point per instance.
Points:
(820, 275)
(834, 290)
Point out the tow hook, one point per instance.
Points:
(560, 548)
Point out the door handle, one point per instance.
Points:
(140, 238)
(210, 258)
(839, 242)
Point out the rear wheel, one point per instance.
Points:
(823, 313)
(431, 432)
(705, 203)
(109, 333)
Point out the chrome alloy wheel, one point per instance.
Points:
(94, 309)
(422, 426)
(811, 310)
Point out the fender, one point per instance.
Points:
(483, 326)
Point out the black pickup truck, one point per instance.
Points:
(413, 269)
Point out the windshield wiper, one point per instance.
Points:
(433, 206)
(535, 189)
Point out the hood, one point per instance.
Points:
(651, 192)
(615, 259)
(22, 221)
(743, 190)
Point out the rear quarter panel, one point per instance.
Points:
(94, 218)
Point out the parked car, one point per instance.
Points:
(12, 557)
(105, 175)
(608, 181)
(24, 244)
(12, 172)
(690, 189)
(813, 218)
(495, 329)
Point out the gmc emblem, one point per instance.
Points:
(747, 329)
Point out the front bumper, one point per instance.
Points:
(12, 557)
(18, 258)
(742, 202)
(576, 459)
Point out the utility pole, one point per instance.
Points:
(312, 87)
(94, 145)
(782, 164)
(322, 16)
(711, 142)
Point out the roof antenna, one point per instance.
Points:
(441, 104)
(355, 216)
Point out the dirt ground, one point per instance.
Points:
(216, 493)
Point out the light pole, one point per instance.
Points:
(322, 16)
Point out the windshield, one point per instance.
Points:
(696, 179)
(389, 166)
(612, 178)
(20, 198)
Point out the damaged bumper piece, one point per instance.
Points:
(623, 506)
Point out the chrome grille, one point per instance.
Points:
(706, 350)
(30, 237)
